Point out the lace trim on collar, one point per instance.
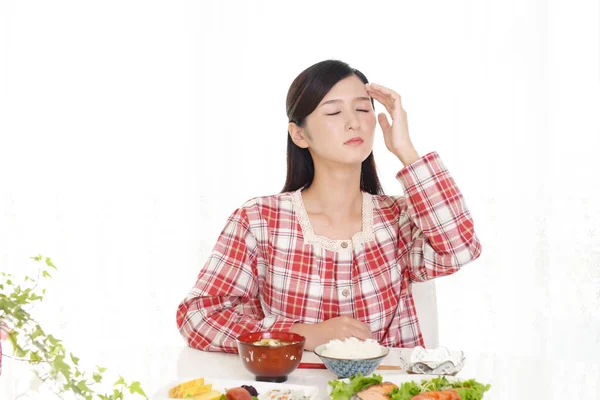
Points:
(357, 239)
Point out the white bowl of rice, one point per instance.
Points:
(350, 356)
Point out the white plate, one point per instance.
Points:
(222, 385)
(399, 379)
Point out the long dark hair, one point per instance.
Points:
(304, 95)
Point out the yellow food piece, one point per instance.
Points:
(190, 389)
(212, 395)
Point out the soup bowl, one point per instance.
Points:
(271, 356)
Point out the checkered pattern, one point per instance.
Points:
(263, 275)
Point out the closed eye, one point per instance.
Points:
(356, 110)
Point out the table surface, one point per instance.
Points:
(157, 368)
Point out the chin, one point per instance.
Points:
(354, 160)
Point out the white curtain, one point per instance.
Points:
(130, 130)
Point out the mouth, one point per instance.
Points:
(355, 141)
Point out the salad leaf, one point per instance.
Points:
(471, 389)
(406, 391)
(468, 390)
(344, 390)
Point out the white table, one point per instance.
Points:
(510, 377)
(159, 367)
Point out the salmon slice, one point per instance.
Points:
(377, 392)
(438, 395)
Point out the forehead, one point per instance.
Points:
(346, 89)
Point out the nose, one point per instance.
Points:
(353, 121)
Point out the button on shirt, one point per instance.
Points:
(269, 270)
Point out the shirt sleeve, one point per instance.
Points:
(434, 224)
(224, 303)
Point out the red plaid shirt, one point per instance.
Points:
(268, 270)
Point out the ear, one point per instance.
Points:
(298, 135)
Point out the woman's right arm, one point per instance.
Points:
(224, 302)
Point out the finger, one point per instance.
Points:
(383, 121)
(384, 90)
(384, 100)
(362, 334)
(360, 326)
(357, 333)
(389, 92)
(392, 108)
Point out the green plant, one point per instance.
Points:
(44, 352)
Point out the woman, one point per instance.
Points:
(332, 256)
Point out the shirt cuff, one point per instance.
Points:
(424, 169)
(278, 323)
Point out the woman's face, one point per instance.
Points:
(341, 128)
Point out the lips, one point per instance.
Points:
(355, 140)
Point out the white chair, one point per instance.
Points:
(426, 305)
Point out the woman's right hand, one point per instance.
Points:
(334, 328)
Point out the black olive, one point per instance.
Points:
(251, 390)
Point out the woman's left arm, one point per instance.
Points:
(436, 235)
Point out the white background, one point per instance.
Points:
(130, 130)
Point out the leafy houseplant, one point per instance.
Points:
(46, 354)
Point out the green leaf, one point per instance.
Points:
(406, 391)
(49, 263)
(37, 258)
(45, 274)
(468, 390)
(97, 377)
(37, 333)
(74, 359)
(101, 369)
(53, 340)
(18, 350)
(34, 356)
(120, 381)
(33, 297)
(60, 366)
(135, 388)
(344, 391)
(81, 385)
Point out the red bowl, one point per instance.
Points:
(271, 364)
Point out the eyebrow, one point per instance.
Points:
(338, 100)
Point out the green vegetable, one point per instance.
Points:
(471, 389)
(343, 391)
(468, 390)
(405, 391)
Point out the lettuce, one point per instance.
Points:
(471, 389)
(468, 390)
(344, 390)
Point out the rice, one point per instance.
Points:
(352, 348)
